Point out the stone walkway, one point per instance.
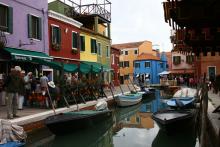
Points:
(31, 113)
(214, 98)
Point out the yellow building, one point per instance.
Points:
(129, 53)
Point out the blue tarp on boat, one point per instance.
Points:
(13, 144)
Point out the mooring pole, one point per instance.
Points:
(204, 113)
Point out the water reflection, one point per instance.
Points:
(131, 127)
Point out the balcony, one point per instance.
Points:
(79, 10)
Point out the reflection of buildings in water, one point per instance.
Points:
(139, 120)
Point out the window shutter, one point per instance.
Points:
(83, 43)
(10, 20)
(91, 42)
(29, 26)
(59, 36)
(40, 28)
(95, 45)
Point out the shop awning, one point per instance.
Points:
(164, 73)
(86, 67)
(71, 68)
(26, 55)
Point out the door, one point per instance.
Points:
(212, 72)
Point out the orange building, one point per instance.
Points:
(169, 60)
(129, 53)
(207, 63)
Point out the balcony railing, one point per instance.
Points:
(101, 9)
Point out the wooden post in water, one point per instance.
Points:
(204, 113)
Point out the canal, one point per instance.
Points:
(131, 127)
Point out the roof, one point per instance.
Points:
(145, 56)
(128, 45)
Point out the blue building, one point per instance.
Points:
(147, 67)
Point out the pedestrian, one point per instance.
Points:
(43, 82)
(27, 80)
(21, 92)
(12, 85)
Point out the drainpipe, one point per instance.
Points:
(43, 32)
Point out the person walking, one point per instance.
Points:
(12, 85)
(21, 92)
(27, 80)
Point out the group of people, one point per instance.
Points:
(17, 88)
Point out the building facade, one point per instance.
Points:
(129, 53)
(115, 53)
(148, 67)
(182, 64)
(64, 36)
(209, 64)
(25, 27)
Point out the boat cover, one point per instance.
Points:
(11, 133)
(185, 92)
(101, 105)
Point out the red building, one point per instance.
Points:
(115, 65)
(64, 38)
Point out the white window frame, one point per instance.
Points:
(72, 40)
(208, 70)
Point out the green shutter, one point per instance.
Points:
(91, 42)
(82, 43)
(74, 40)
(10, 20)
(29, 26)
(95, 46)
(40, 28)
(59, 36)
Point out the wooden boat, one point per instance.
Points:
(63, 123)
(184, 102)
(95, 135)
(172, 120)
(128, 99)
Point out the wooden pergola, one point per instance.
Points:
(196, 25)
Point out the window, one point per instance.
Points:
(56, 37)
(135, 52)
(93, 46)
(121, 52)
(126, 52)
(74, 40)
(82, 43)
(176, 60)
(137, 65)
(147, 64)
(34, 27)
(6, 18)
(161, 64)
(107, 51)
(126, 63)
(99, 49)
(113, 59)
(189, 59)
(121, 64)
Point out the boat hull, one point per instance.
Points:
(186, 102)
(181, 122)
(124, 101)
(62, 124)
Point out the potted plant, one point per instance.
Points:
(56, 46)
(75, 51)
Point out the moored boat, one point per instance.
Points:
(128, 99)
(171, 120)
(184, 102)
(63, 123)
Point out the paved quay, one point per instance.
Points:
(31, 115)
(214, 118)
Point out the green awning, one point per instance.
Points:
(26, 55)
(86, 67)
(71, 68)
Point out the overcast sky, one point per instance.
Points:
(138, 20)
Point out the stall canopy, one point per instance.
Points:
(164, 73)
(86, 67)
(26, 55)
(58, 65)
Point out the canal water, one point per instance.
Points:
(131, 127)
